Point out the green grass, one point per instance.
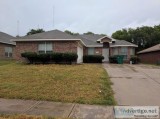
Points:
(86, 83)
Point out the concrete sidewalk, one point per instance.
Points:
(55, 109)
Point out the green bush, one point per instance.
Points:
(33, 57)
(93, 59)
(57, 57)
(134, 59)
(30, 56)
(113, 59)
(44, 58)
(70, 57)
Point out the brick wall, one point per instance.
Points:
(2, 50)
(58, 46)
(24, 47)
(65, 46)
(151, 57)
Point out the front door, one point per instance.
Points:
(105, 53)
(80, 54)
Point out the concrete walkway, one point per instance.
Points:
(55, 109)
(137, 85)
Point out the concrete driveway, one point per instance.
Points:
(136, 85)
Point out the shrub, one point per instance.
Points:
(57, 57)
(70, 57)
(44, 58)
(113, 59)
(30, 56)
(93, 59)
(134, 59)
(33, 57)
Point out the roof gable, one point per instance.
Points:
(6, 38)
(154, 48)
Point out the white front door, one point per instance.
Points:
(80, 54)
(105, 53)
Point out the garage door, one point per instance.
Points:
(80, 54)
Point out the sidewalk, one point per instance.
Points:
(55, 109)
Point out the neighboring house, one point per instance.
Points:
(150, 55)
(6, 46)
(58, 41)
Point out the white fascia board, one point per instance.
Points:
(106, 37)
(7, 43)
(44, 40)
(124, 46)
(25, 40)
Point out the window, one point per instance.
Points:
(124, 52)
(115, 51)
(90, 51)
(45, 47)
(132, 51)
(8, 51)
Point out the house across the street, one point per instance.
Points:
(58, 41)
(6, 46)
(150, 55)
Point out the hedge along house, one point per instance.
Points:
(150, 55)
(58, 41)
(6, 46)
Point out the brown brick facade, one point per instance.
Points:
(150, 57)
(2, 50)
(65, 46)
(58, 46)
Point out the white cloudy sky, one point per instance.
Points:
(99, 16)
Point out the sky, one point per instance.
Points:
(98, 16)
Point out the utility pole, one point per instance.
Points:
(18, 28)
(53, 17)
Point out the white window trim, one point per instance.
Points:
(45, 47)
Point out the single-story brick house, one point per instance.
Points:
(150, 55)
(58, 41)
(6, 46)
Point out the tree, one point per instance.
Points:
(71, 33)
(35, 31)
(89, 33)
(144, 36)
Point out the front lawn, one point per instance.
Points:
(86, 83)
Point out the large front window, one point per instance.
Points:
(115, 51)
(124, 52)
(45, 47)
(8, 51)
(90, 51)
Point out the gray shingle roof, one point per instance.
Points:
(122, 43)
(91, 40)
(88, 40)
(151, 49)
(6, 39)
(54, 34)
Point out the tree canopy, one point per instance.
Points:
(88, 33)
(71, 33)
(144, 36)
(35, 31)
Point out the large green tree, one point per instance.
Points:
(35, 31)
(144, 36)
